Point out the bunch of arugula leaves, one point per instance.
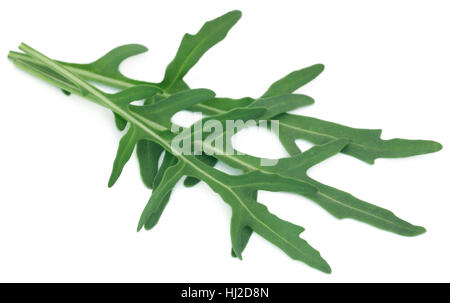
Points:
(150, 133)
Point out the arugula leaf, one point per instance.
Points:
(365, 144)
(234, 189)
(294, 80)
(193, 47)
(148, 154)
(108, 66)
(150, 129)
(169, 161)
(338, 203)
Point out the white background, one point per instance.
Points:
(387, 66)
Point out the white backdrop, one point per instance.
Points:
(387, 66)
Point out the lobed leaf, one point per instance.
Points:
(168, 161)
(126, 147)
(193, 47)
(108, 65)
(162, 112)
(365, 144)
(254, 215)
(158, 199)
(150, 131)
(148, 154)
(338, 203)
(294, 80)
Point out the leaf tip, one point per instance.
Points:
(23, 45)
(142, 47)
(436, 146)
(147, 183)
(137, 48)
(140, 225)
(320, 264)
(320, 67)
(237, 14)
(323, 266)
(418, 230)
(11, 55)
(421, 230)
(120, 122)
(427, 147)
(112, 180)
(190, 181)
(236, 254)
(326, 269)
(209, 94)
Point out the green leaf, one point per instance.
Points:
(237, 191)
(134, 93)
(129, 95)
(193, 47)
(288, 142)
(132, 137)
(341, 204)
(281, 104)
(157, 201)
(208, 160)
(126, 147)
(218, 106)
(148, 154)
(237, 114)
(294, 80)
(152, 123)
(108, 65)
(365, 144)
(168, 161)
(120, 122)
(240, 234)
(162, 111)
(338, 203)
(273, 105)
